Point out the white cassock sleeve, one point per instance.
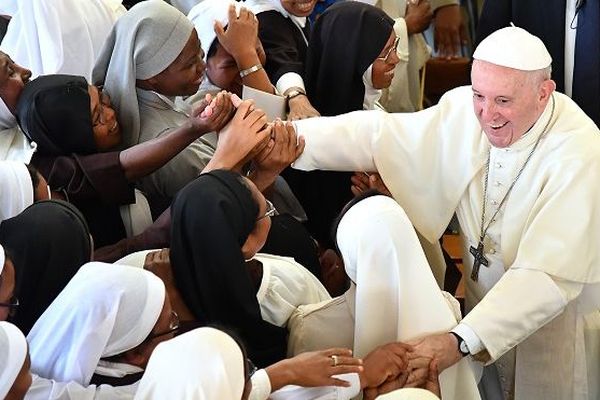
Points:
(518, 305)
(412, 152)
(47, 389)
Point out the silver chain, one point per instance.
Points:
(487, 173)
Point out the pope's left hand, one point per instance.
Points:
(442, 348)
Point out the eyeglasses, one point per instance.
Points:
(103, 101)
(173, 327)
(388, 55)
(12, 305)
(250, 369)
(271, 210)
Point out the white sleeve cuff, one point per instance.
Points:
(473, 342)
(261, 386)
(289, 80)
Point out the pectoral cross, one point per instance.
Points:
(478, 259)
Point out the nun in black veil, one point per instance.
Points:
(47, 242)
(351, 58)
(219, 221)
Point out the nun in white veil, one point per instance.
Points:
(14, 369)
(397, 298)
(16, 189)
(60, 36)
(104, 311)
(393, 296)
(203, 364)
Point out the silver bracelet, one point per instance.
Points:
(245, 72)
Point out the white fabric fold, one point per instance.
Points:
(7, 118)
(16, 192)
(14, 146)
(202, 364)
(105, 310)
(2, 259)
(61, 36)
(13, 350)
(372, 95)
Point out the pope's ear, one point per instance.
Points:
(546, 89)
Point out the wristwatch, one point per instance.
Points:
(463, 349)
(293, 93)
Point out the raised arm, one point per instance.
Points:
(145, 158)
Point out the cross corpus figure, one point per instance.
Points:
(478, 260)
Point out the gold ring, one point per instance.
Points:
(334, 360)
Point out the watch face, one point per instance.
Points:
(463, 347)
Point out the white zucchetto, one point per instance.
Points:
(515, 48)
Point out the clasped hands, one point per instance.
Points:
(397, 365)
(247, 136)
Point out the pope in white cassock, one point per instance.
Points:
(519, 164)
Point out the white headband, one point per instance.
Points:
(2, 259)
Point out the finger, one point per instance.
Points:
(235, 100)
(219, 30)
(242, 109)
(199, 107)
(356, 182)
(355, 190)
(345, 360)
(263, 149)
(464, 35)
(300, 146)
(337, 351)
(370, 393)
(149, 258)
(257, 120)
(165, 254)
(390, 385)
(455, 43)
(264, 134)
(421, 362)
(252, 17)
(418, 377)
(346, 369)
(253, 115)
(231, 13)
(401, 347)
(289, 140)
(337, 382)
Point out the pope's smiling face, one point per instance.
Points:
(507, 101)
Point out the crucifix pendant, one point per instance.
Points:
(478, 260)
